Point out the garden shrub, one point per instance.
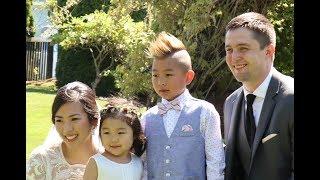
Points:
(77, 64)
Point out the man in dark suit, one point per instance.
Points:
(259, 116)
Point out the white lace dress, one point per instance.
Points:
(48, 163)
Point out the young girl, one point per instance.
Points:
(122, 137)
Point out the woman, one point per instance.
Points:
(75, 116)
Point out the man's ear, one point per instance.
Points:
(189, 76)
(270, 50)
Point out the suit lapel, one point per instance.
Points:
(235, 115)
(233, 127)
(266, 113)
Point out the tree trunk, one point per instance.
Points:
(96, 82)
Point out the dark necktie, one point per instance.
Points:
(249, 123)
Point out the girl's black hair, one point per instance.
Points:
(122, 109)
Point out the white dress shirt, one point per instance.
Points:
(210, 130)
(260, 94)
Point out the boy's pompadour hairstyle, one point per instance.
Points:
(168, 46)
(165, 45)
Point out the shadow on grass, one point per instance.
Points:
(42, 90)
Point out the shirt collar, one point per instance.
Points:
(261, 91)
(182, 98)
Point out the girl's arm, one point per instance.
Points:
(91, 172)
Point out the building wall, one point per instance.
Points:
(41, 24)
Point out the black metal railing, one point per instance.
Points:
(39, 59)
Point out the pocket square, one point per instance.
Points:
(186, 128)
(268, 137)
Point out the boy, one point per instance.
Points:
(183, 133)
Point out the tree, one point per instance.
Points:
(201, 26)
(133, 74)
(29, 26)
(112, 37)
(281, 16)
(108, 37)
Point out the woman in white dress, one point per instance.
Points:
(72, 140)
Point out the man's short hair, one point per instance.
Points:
(167, 46)
(263, 30)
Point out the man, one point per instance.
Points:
(259, 116)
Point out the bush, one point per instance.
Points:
(30, 29)
(87, 7)
(47, 86)
(77, 65)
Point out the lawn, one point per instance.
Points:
(38, 111)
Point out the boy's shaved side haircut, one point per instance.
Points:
(168, 46)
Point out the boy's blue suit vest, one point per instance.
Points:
(182, 156)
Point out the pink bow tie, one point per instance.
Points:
(163, 108)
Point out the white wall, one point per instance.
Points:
(41, 24)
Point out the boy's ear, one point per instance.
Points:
(189, 76)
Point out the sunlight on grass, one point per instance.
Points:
(38, 110)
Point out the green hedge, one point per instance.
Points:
(77, 64)
(30, 29)
(87, 7)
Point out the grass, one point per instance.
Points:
(38, 110)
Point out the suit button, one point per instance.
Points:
(167, 147)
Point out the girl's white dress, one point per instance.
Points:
(108, 169)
